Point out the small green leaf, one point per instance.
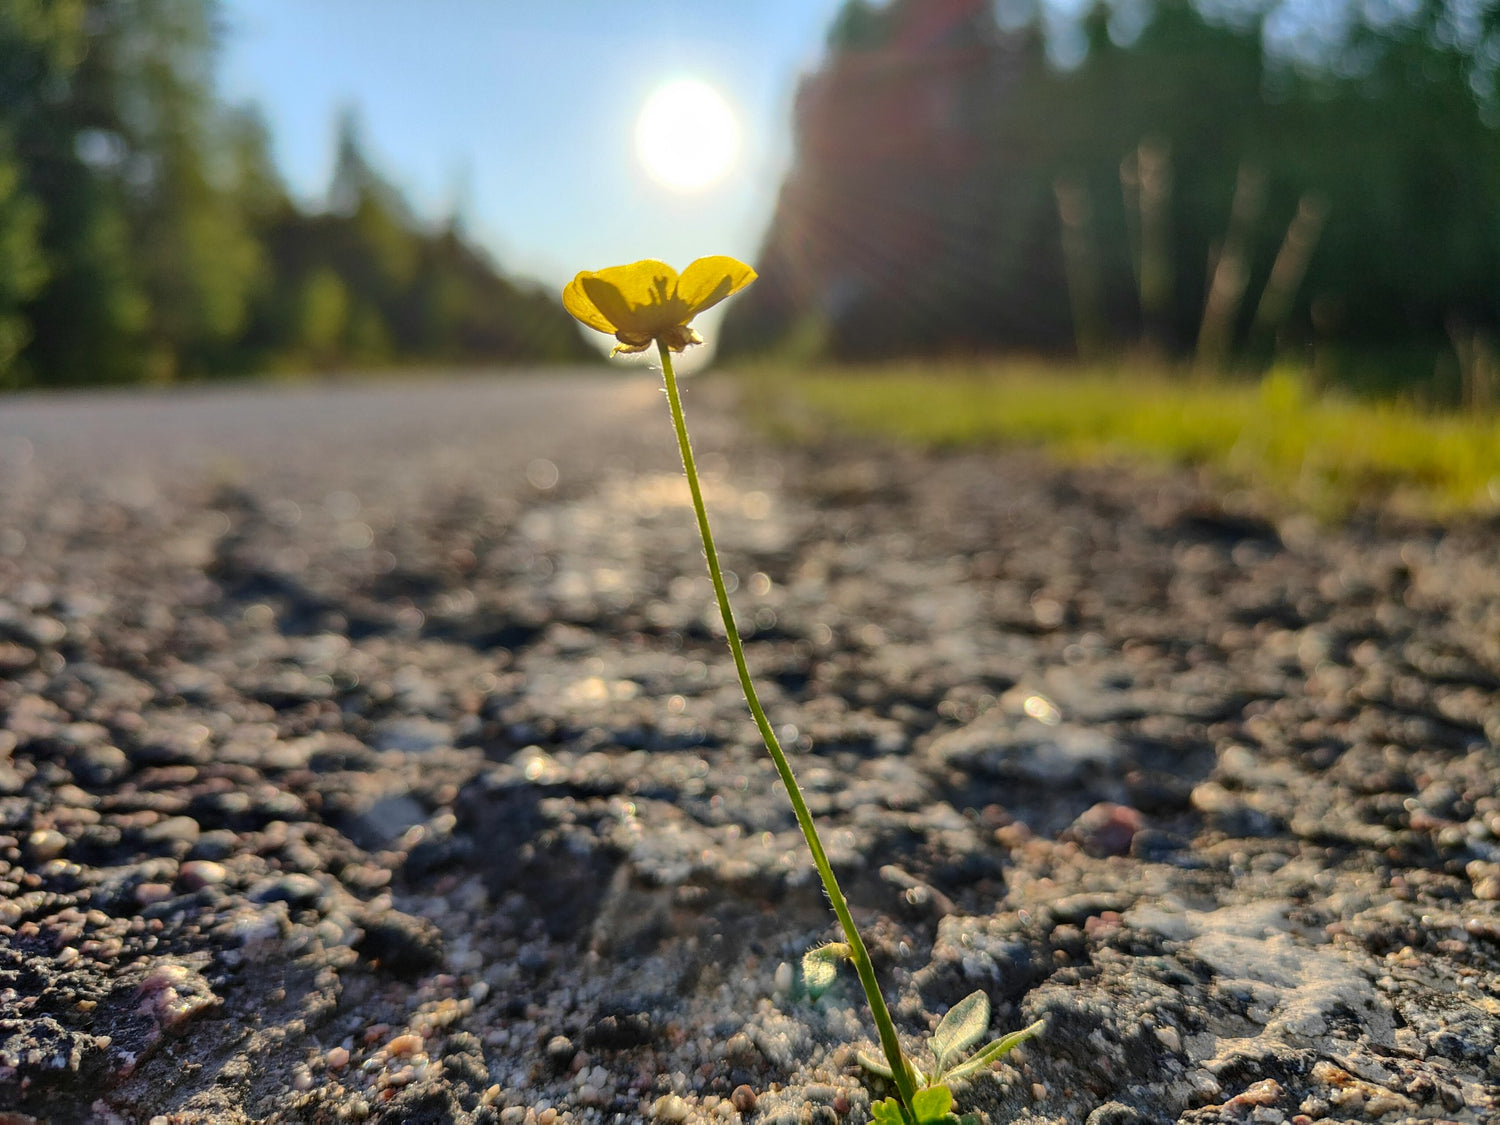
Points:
(882, 1069)
(933, 1103)
(874, 1066)
(887, 1112)
(993, 1052)
(820, 967)
(963, 1026)
(918, 1079)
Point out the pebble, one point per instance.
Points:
(100, 765)
(670, 1107)
(148, 893)
(1107, 828)
(172, 829)
(216, 845)
(196, 874)
(400, 943)
(46, 843)
(295, 889)
(403, 1046)
(619, 1031)
(783, 978)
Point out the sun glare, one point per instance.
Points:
(686, 136)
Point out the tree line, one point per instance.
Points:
(1220, 183)
(145, 235)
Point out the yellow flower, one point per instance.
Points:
(647, 301)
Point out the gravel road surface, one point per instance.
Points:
(370, 753)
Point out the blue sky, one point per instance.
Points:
(528, 111)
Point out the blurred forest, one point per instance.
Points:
(1223, 182)
(145, 235)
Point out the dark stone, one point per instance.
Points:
(298, 891)
(401, 944)
(563, 871)
(619, 1031)
(434, 853)
(1116, 1113)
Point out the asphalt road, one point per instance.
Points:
(367, 752)
(347, 425)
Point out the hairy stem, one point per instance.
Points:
(857, 953)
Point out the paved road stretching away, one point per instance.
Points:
(260, 427)
(368, 753)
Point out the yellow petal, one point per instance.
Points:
(577, 302)
(647, 282)
(709, 280)
(639, 299)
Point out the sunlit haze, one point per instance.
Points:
(568, 138)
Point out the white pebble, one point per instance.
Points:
(782, 981)
(669, 1107)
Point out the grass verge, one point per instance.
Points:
(1327, 454)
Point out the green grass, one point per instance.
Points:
(1323, 453)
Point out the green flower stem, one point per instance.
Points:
(857, 953)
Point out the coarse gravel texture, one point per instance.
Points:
(371, 752)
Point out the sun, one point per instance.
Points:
(687, 137)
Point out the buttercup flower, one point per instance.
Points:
(647, 301)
